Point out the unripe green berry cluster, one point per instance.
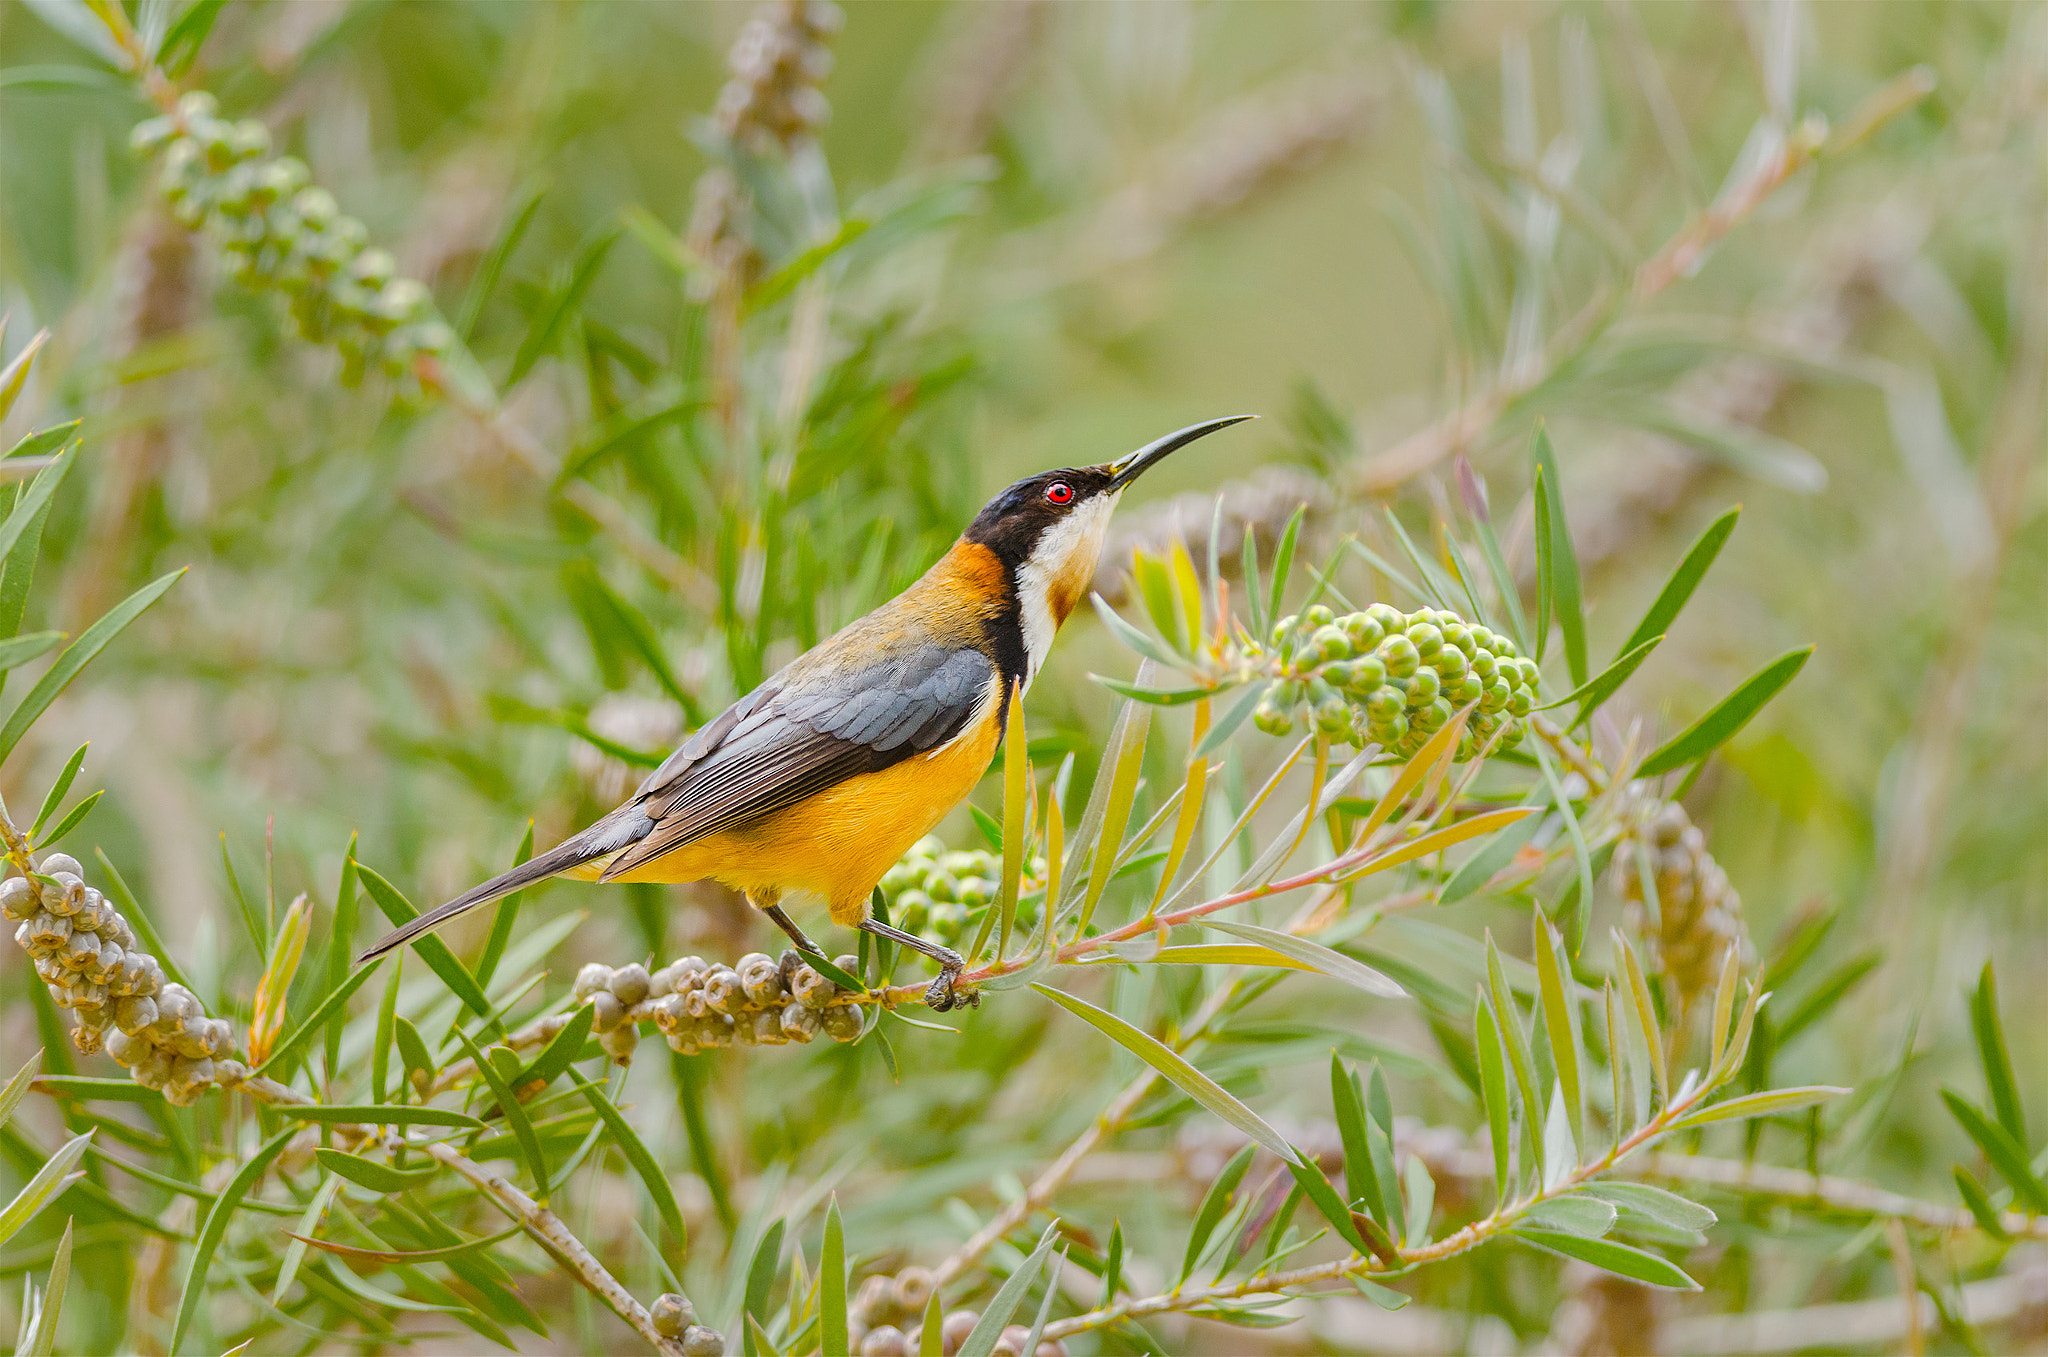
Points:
(887, 1314)
(281, 233)
(674, 1317)
(941, 893)
(1394, 679)
(86, 953)
(701, 1006)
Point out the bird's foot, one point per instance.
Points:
(942, 996)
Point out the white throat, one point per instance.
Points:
(1072, 544)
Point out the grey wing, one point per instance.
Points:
(782, 744)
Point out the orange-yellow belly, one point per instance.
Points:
(838, 843)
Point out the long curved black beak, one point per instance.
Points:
(1127, 469)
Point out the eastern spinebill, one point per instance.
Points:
(817, 781)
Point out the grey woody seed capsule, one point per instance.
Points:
(67, 897)
(886, 1341)
(799, 1023)
(768, 1028)
(761, 978)
(18, 898)
(607, 1012)
(812, 990)
(699, 1341)
(670, 1015)
(620, 1042)
(126, 1050)
(955, 1327)
(671, 1314)
(722, 990)
(873, 1301)
(1010, 1343)
(81, 948)
(629, 984)
(592, 978)
(132, 1014)
(46, 934)
(62, 862)
(912, 1289)
(841, 1022)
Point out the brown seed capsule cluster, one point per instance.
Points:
(86, 953)
(886, 1319)
(1394, 679)
(941, 894)
(700, 1006)
(674, 1317)
(1698, 914)
(772, 101)
(281, 233)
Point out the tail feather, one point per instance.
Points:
(600, 840)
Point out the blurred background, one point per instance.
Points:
(1400, 232)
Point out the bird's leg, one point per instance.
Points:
(790, 959)
(940, 995)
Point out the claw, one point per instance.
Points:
(941, 996)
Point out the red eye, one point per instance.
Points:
(1059, 492)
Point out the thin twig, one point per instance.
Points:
(548, 1230)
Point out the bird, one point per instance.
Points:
(818, 780)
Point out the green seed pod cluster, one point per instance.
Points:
(1698, 915)
(1394, 679)
(675, 1318)
(86, 953)
(941, 894)
(701, 1006)
(887, 1315)
(281, 233)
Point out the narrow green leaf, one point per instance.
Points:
(1315, 956)
(431, 949)
(981, 1340)
(1157, 697)
(1621, 1259)
(1420, 1189)
(55, 797)
(90, 1090)
(1283, 563)
(1214, 1204)
(334, 1003)
(560, 1052)
(1677, 590)
(1254, 595)
(2007, 1155)
(1979, 1203)
(1122, 767)
(380, 1114)
(420, 1064)
(1586, 1217)
(1758, 1105)
(541, 335)
(1517, 1042)
(183, 39)
(1385, 1297)
(1564, 563)
(832, 1286)
(1016, 816)
(1540, 492)
(1493, 856)
(639, 1156)
(1379, 1142)
(383, 1043)
(1132, 637)
(1604, 684)
(1998, 1076)
(1175, 1068)
(761, 1272)
(53, 1298)
(1646, 1013)
(30, 505)
(78, 654)
(784, 280)
(215, 1228)
(12, 1094)
(50, 1181)
(1666, 1208)
(1493, 1085)
(31, 646)
(932, 1340)
(516, 1116)
(1233, 717)
(1557, 1022)
(373, 1174)
(1360, 1184)
(295, 1252)
(1113, 1264)
(1320, 1194)
(1733, 712)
